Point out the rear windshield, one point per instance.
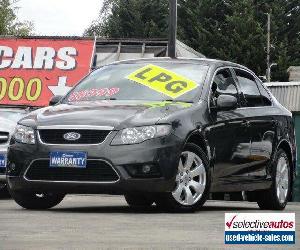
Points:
(155, 81)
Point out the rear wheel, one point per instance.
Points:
(278, 195)
(192, 182)
(139, 200)
(38, 201)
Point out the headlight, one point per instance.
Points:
(140, 134)
(24, 134)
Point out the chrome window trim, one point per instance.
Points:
(79, 182)
(258, 107)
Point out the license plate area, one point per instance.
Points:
(67, 159)
(2, 161)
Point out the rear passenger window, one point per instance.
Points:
(266, 99)
(249, 89)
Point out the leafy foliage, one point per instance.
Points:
(233, 30)
(131, 18)
(9, 24)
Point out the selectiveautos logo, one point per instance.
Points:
(260, 228)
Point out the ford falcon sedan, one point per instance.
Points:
(158, 131)
(9, 116)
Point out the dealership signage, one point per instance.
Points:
(34, 70)
(260, 228)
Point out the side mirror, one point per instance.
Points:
(226, 102)
(55, 99)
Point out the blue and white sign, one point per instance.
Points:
(260, 228)
(2, 161)
(68, 159)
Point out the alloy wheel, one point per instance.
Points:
(190, 179)
(282, 179)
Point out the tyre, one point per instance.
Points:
(192, 182)
(139, 200)
(36, 201)
(278, 195)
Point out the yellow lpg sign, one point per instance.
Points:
(163, 80)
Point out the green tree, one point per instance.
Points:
(131, 18)
(232, 30)
(228, 30)
(285, 33)
(9, 23)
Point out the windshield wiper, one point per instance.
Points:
(171, 100)
(29, 107)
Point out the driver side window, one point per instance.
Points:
(223, 84)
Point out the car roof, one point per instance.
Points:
(205, 61)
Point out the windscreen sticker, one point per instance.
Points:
(163, 81)
(85, 94)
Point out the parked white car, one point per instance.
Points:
(9, 116)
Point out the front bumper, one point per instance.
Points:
(2, 178)
(3, 151)
(162, 152)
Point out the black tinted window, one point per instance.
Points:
(252, 97)
(266, 99)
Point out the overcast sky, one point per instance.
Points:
(59, 17)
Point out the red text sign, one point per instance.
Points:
(34, 70)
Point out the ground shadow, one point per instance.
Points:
(4, 197)
(151, 210)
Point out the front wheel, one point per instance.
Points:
(36, 201)
(278, 195)
(3, 191)
(192, 182)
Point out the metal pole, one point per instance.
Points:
(172, 28)
(268, 48)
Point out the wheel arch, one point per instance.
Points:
(197, 138)
(285, 145)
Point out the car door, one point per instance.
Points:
(257, 108)
(227, 136)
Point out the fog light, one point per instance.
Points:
(143, 171)
(146, 169)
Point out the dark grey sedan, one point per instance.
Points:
(163, 131)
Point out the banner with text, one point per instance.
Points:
(34, 70)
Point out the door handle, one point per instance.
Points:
(246, 124)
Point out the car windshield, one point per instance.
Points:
(157, 81)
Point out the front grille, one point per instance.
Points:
(4, 136)
(96, 171)
(56, 136)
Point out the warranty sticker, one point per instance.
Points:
(163, 81)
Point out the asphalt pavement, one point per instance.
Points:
(101, 222)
